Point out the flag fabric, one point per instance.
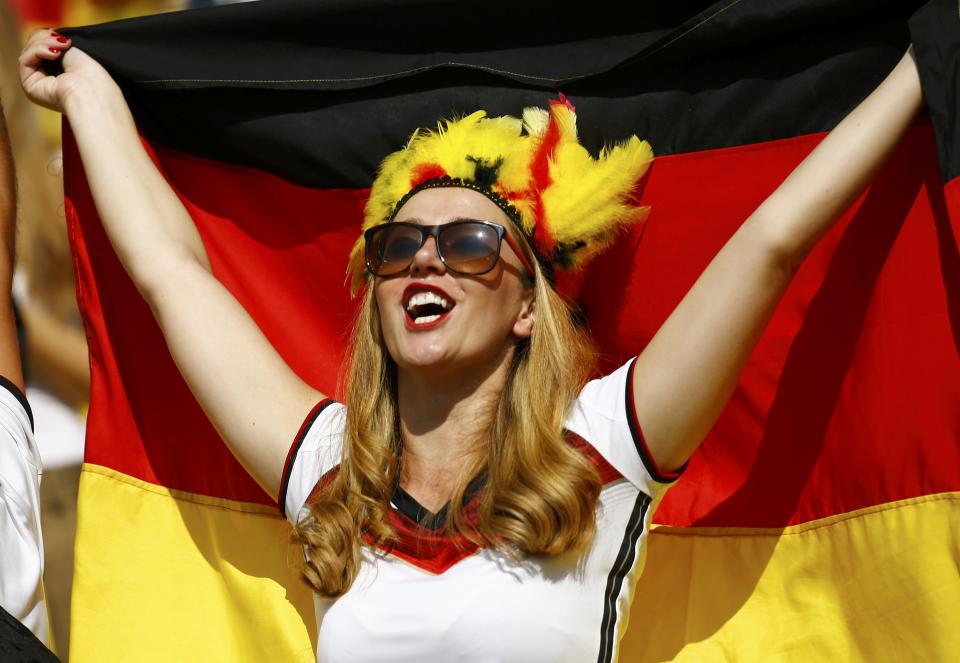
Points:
(819, 519)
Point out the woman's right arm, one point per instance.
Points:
(251, 395)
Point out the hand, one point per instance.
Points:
(80, 70)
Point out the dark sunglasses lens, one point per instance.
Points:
(391, 248)
(470, 248)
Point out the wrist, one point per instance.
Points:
(103, 101)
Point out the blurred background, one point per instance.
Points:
(53, 343)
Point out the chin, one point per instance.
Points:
(443, 351)
(428, 360)
(418, 354)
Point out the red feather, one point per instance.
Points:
(540, 174)
(425, 172)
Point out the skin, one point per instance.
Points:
(682, 380)
(10, 366)
(687, 373)
(490, 312)
(450, 377)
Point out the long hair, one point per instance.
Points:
(540, 495)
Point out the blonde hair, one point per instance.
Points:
(541, 493)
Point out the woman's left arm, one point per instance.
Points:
(687, 373)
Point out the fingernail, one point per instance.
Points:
(54, 50)
(62, 40)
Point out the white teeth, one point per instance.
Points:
(426, 319)
(422, 298)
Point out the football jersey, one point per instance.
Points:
(432, 597)
(21, 540)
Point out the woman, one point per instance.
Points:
(466, 406)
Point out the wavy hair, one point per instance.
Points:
(540, 494)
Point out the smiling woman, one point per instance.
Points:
(475, 483)
(467, 375)
(488, 308)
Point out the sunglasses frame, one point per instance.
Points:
(434, 231)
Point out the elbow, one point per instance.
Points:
(783, 259)
(158, 278)
(781, 252)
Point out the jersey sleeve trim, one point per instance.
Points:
(643, 450)
(19, 395)
(295, 448)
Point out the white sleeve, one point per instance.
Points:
(605, 417)
(315, 451)
(21, 541)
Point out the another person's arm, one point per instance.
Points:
(687, 373)
(21, 541)
(9, 347)
(251, 395)
(56, 353)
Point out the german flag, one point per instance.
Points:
(818, 521)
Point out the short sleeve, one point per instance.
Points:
(605, 417)
(21, 539)
(315, 451)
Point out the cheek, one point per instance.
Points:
(387, 314)
(378, 292)
(383, 294)
(500, 311)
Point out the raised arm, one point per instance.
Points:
(685, 376)
(259, 408)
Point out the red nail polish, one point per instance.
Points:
(62, 40)
(54, 50)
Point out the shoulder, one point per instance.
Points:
(314, 451)
(604, 417)
(14, 404)
(18, 451)
(21, 547)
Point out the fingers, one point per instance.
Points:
(38, 48)
(43, 44)
(57, 43)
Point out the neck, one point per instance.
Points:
(444, 423)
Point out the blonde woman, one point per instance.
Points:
(477, 500)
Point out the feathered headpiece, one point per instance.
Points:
(569, 205)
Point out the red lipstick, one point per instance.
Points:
(425, 306)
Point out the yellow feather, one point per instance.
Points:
(588, 200)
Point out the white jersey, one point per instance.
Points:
(431, 598)
(21, 541)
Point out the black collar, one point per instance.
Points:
(408, 506)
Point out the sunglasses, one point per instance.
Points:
(465, 247)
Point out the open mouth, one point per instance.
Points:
(426, 306)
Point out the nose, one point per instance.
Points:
(427, 259)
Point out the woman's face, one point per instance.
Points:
(484, 315)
